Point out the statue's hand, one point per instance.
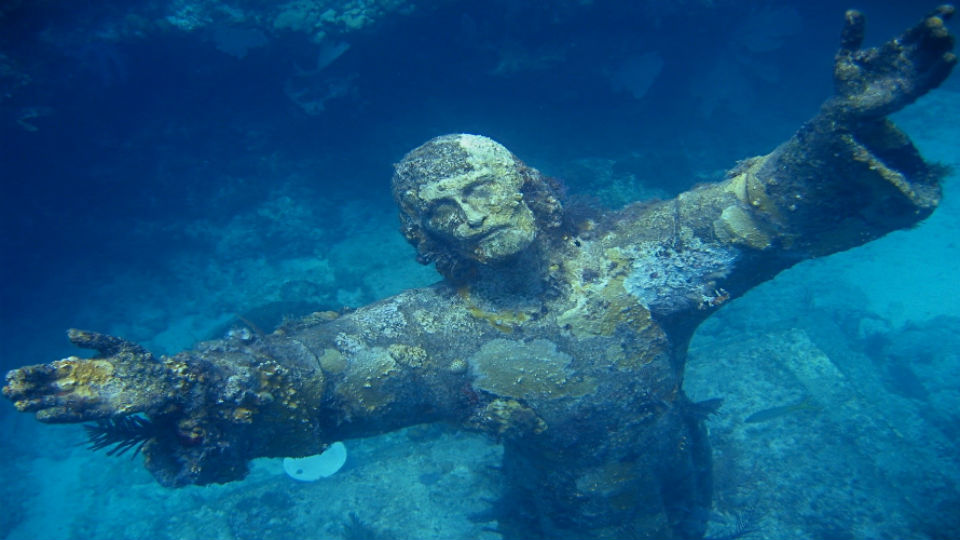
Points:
(124, 378)
(875, 82)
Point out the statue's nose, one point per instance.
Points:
(473, 216)
(475, 220)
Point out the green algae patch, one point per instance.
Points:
(332, 361)
(534, 369)
(364, 385)
(504, 321)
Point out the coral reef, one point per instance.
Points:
(525, 370)
(668, 278)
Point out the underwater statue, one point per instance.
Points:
(563, 338)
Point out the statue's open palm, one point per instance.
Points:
(122, 379)
(875, 82)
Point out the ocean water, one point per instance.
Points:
(172, 169)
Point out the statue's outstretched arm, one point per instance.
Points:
(846, 177)
(290, 393)
(849, 175)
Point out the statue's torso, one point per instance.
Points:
(579, 342)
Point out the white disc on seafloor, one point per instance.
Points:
(310, 468)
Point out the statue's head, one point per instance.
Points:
(467, 198)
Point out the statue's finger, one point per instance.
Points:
(41, 399)
(60, 414)
(27, 405)
(933, 56)
(931, 30)
(938, 36)
(102, 343)
(852, 35)
(941, 69)
(66, 406)
(935, 34)
(23, 381)
(944, 12)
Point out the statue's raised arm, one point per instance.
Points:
(565, 340)
(846, 177)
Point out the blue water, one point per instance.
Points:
(170, 166)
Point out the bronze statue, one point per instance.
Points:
(564, 339)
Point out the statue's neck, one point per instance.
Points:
(524, 275)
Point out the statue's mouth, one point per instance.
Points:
(499, 243)
(469, 237)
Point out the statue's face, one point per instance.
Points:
(481, 217)
(462, 196)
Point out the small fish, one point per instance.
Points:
(776, 412)
(703, 409)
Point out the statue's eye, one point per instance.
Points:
(444, 216)
(482, 190)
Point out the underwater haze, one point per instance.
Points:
(174, 170)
